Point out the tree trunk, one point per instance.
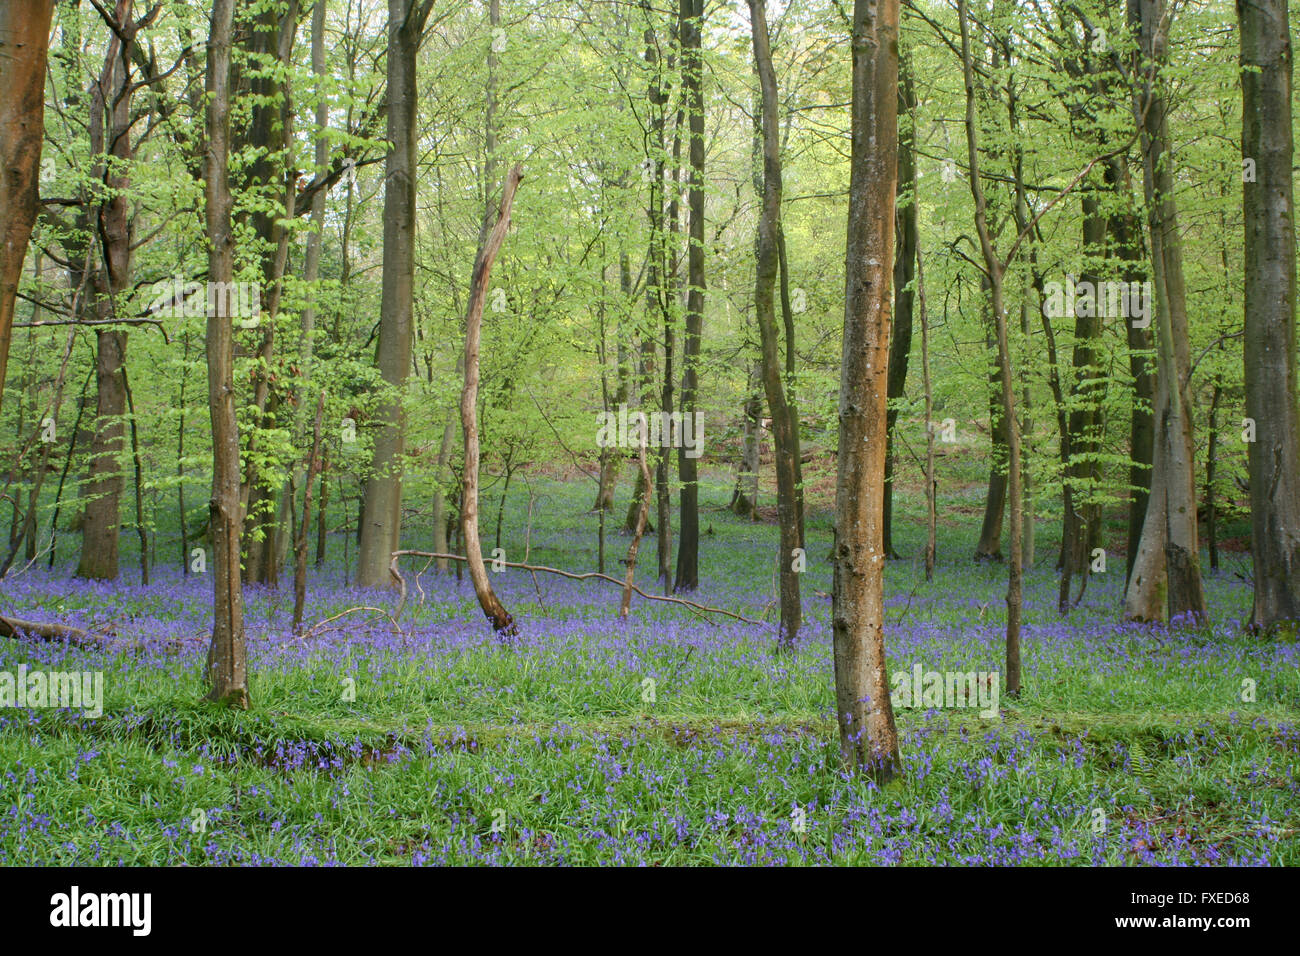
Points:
(900, 338)
(300, 538)
(382, 522)
(100, 525)
(270, 45)
(989, 547)
(24, 44)
(1211, 463)
(930, 483)
(744, 498)
(1166, 573)
(1125, 236)
(110, 136)
(227, 660)
(1270, 347)
(767, 256)
(690, 14)
(995, 268)
(500, 618)
(864, 712)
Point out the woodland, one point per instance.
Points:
(723, 432)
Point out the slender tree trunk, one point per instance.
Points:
(642, 513)
(995, 271)
(311, 274)
(227, 660)
(300, 539)
(864, 712)
(500, 618)
(322, 525)
(900, 339)
(138, 482)
(931, 485)
(1211, 463)
(767, 254)
(690, 14)
(1270, 346)
(989, 547)
(744, 498)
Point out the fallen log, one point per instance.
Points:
(17, 628)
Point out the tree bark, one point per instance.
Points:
(382, 521)
(227, 659)
(995, 268)
(1270, 346)
(690, 14)
(767, 263)
(24, 45)
(500, 618)
(900, 338)
(1166, 577)
(864, 712)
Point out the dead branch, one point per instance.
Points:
(401, 581)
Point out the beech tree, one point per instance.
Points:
(690, 25)
(24, 46)
(767, 255)
(1270, 344)
(227, 659)
(864, 712)
(381, 520)
(1166, 576)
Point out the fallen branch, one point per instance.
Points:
(317, 627)
(401, 581)
(17, 628)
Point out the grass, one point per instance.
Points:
(1131, 745)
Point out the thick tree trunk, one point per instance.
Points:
(24, 45)
(227, 660)
(1167, 573)
(767, 256)
(100, 525)
(382, 523)
(273, 32)
(1270, 345)
(864, 712)
(110, 134)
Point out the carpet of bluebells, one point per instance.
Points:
(670, 738)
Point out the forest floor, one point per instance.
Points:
(670, 738)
